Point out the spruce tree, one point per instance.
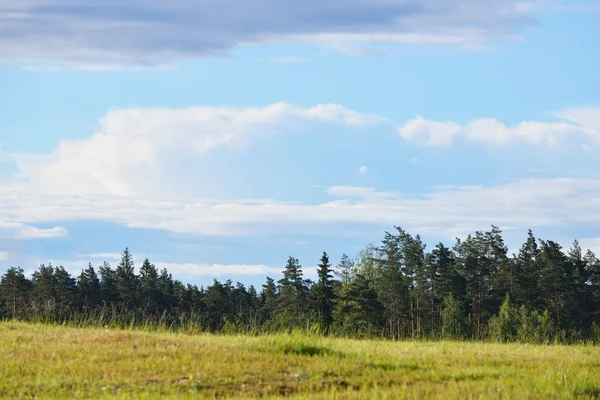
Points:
(108, 284)
(323, 296)
(293, 293)
(149, 286)
(126, 280)
(89, 287)
(268, 300)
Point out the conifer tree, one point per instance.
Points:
(323, 296)
(149, 285)
(293, 293)
(14, 291)
(126, 280)
(268, 300)
(89, 287)
(108, 284)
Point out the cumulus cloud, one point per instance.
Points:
(363, 169)
(3, 255)
(114, 176)
(427, 132)
(132, 144)
(151, 31)
(576, 123)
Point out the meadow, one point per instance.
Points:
(43, 361)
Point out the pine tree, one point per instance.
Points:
(528, 267)
(323, 296)
(392, 287)
(89, 287)
(166, 289)
(358, 309)
(554, 284)
(268, 300)
(44, 289)
(126, 280)
(108, 284)
(293, 293)
(14, 290)
(65, 289)
(149, 286)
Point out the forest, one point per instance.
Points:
(398, 289)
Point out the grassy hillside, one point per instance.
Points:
(57, 362)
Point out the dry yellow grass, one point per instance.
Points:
(56, 362)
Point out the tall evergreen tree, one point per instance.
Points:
(126, 280)
(323, 296)
(392, 287)
(89, 287)
(108, 284)
(166, 288)
(293, 293)
(14, 291)
(268, 300)
(149, 286)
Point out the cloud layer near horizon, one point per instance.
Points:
(155, 31)
(116, 175)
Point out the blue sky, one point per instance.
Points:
(217, 138)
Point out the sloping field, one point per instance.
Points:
(57, 362)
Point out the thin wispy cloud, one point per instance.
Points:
(156, 30)
(98, 68)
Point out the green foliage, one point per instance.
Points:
(453, 320)
(396, 290)
(322, 294)
(505, 325)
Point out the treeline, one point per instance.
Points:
(398, 289)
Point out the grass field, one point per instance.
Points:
(56, 362)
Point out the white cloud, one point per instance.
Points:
(31, 232)
(519, 205)
(580, 123)
(181, 271)
(151, 30)
(363, 169)
(115, 176)
(217, 270)
(19, 230)
(582, 116)
(3, 255)
(427, 132)
(133, 144)
(592, 244)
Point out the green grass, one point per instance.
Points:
(43, 361)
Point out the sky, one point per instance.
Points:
(217, 138)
